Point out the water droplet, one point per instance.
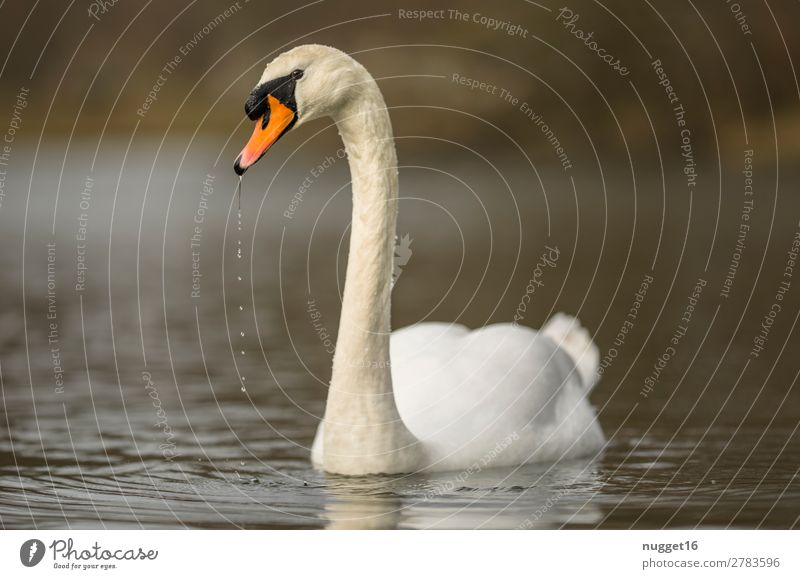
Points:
(241, 463)
(242, 379)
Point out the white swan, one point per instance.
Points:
(435, 396)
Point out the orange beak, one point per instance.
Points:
(264, 134)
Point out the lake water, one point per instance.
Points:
(144, 385)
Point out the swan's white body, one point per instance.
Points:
(502, 395)
(431, 396)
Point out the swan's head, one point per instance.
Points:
(305, 83)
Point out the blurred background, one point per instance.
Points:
(671, 169)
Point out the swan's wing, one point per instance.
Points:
(465, 393)
(567, 332)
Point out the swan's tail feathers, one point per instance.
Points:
(567, 332)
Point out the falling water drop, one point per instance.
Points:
(242, 379)
(239, 208)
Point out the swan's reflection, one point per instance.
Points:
(529, 497)
(362, 503)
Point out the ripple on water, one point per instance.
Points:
(233, 469)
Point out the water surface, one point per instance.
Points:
(169, 417)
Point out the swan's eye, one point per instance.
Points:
(297, 74)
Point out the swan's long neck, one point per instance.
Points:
(363, 431)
